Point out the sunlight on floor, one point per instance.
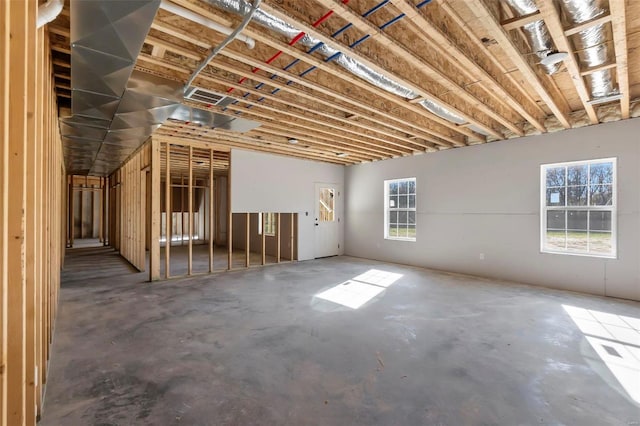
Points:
(359, 290)
(616, 340)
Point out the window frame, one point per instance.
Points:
(388, 209)
(613, 208)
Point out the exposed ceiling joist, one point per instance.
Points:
(558, 106)
(551, 18)
(619, 24)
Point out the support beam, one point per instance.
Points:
(247, 247)
(169, 214)
(15, 195)
(558, 106)
(262, 218)
(190, 214)
(278, 234)
(520, 21)
(554, 26)
(597, 21)
(211, 211)
(496, 83)
(154, 211)
(619, 25)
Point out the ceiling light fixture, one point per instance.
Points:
(293, 141)
(553, 58)
(342, 154)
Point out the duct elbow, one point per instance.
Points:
(49, 11)
(251, 43)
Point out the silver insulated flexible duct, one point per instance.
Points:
(536, 32)
(591, 44)
(352, 65)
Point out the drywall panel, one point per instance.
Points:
(271, 183)
(479, 210)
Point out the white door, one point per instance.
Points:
(327, 222)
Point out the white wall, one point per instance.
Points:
(271, 183)
(486, 199)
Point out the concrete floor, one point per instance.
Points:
(255, 347)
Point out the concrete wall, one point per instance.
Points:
(486, 199)
(271, 183)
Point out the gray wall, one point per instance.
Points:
(271, 183)
(486, 199)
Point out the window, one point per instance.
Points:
(267, 222)
(326, 205)
(400, 209)
(578, 208)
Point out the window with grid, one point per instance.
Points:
(578, 208)
(267, 224)
(400, 209)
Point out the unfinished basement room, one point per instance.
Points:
(320, 212)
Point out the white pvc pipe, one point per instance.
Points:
(199, 19)
(49, 11)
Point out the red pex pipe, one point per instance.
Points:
(291, 43)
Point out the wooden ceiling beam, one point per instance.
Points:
(481, 47)
(552, 21)
(398, 122)
(59, 48)
(264, 38)
(61, 63)
(339, 132)
(619, 26)
(520, 21)
(403, 141)
(483, 13)
(585, 25)
(463, 59)
(591, 70)
(54, 29)
(358, 22)
(285, 104)
(173, 134)
(348, 114)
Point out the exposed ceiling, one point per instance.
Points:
(472, 60)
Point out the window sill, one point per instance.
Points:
(568, 253)
(400, 239)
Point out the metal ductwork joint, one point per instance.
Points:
(536, 32)
(591, 44)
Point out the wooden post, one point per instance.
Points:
(247, 252)
(154, 247)
(278, 237)
(190, 213)
(181, 209)
(169, 216)
(15, 166)
(264, 239)
(230, 221)
(30, 217)
(105, 210)
(71, 212)
(211, 210)
(291, 236)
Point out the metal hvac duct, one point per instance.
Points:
(536, 32)
(591, 44)
(106, 38)
(115, 109)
